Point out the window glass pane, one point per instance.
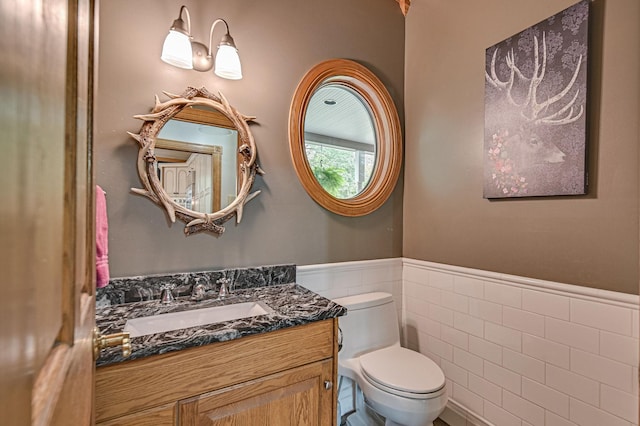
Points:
(340, 140)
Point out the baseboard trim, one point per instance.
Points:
(456, 414)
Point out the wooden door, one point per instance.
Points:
(48, 243)
(295, 397)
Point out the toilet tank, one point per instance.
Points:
(371, 323)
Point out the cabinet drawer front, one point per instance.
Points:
(297, 397)
(158, 416)
(160, 379)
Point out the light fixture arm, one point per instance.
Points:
(224, 39)
(178, 24)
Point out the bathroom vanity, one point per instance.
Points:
(277, 368)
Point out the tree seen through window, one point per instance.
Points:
(342, 172)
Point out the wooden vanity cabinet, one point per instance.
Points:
(281, 378)
(295, 397)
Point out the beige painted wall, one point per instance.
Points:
(588, 240)
(278, 42)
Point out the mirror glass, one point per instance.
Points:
(340, 140)
(345, 138)
(197, 164)
(197, 159)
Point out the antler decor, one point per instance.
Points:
(531, 108)
(147, 162)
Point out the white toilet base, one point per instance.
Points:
(366, 413)
(364, 419)
(392, 423)
(370, 418)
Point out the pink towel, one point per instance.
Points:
(102, 239)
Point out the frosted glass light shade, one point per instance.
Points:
(176, 50)
(228, 63)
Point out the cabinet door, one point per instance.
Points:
(175, 179)
(169, 180)
(297, 397)
(182, 179)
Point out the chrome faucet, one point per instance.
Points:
(198, 292)
(224, 290)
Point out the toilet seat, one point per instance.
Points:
(402, 372)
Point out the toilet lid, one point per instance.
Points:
(403, 370)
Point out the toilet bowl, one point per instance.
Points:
(403, 386)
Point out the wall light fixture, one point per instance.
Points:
(182, 51)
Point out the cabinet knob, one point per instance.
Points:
(328, 385)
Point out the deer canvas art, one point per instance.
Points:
(535, 109)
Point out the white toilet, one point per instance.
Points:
(403, 386)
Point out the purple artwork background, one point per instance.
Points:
(533, 145)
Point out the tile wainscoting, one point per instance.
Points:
(519, 351)
(333, 280)
(515, 351)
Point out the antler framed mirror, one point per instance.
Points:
(345, 138)
(197, 159)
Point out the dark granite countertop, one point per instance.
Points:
(292, 305)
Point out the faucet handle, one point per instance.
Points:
(224, 290)
(166, 296)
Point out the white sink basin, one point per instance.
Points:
(185, 319)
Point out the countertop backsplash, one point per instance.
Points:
(149, 287)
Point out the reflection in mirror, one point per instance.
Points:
(345, 138)
(340, 140)
(197, 164)
(197, 159)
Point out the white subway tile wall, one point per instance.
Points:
(552, 354)
(515, 351)
(333, 280)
